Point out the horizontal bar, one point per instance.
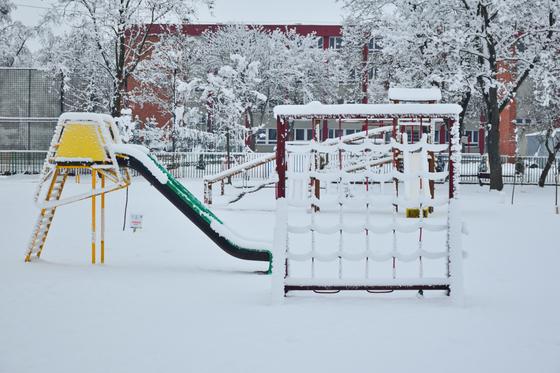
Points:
(289, 288)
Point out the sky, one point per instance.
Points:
(323, 12)
(229, 11)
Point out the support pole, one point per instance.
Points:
(102, 219)
(556, 190)
(281, 158)
(93, 214)
(451, 164)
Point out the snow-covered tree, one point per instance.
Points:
(118, 34)
(153, 136)
(230, 93)
(128, 127)
(546, 108)
(13, 37)
(484, 48)
(237, 74)
(161, 82)
(86, 84)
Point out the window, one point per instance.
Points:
(472, 137)
(350, 132)
(309, 134)
(413, 136)
(300, 134)
(331, 134)
(320, 42)
(261, 136)
(374, 45)
(436, 136)
(335, 42)
(272, 135)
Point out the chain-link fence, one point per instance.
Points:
(30, 102)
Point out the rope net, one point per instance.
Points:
(370, 215)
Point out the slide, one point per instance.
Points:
(233, 244)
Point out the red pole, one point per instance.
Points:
(281, 158)
(325, 135)
(449, 123)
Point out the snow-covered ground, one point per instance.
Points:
(168, 300)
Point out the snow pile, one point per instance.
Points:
(238, 239)
(318, 110)
(414, 94)
(141, 154)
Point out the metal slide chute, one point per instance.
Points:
(194, 209)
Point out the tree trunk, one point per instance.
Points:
(552, 151)
(494, 159)
(549, 162)
(465, 99)
(117, 103)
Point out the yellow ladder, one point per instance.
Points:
(41, 230)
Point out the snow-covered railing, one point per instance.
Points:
(266, 161)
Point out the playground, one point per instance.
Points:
(167, 299)
(303, 280)
(360, 252)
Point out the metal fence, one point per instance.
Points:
(198, 165)
(181, 165)
(29, 101)
(471, 166)
(26, 133)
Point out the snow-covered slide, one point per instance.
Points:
(139, 159)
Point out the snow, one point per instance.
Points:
(168, 299)
(414, 94)
(316, 109)
(90, 117)
(237, 239)
(141, 154)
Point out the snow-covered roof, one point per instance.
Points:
(317, 110)
(414, 94)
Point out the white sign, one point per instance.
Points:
(136, 221)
